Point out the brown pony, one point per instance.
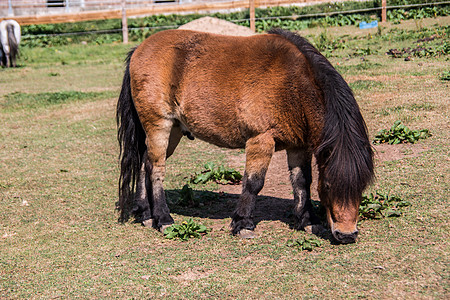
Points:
(264, 93)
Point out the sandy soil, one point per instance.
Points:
(218, 26)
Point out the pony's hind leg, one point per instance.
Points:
(144, 194)
(299, 162)
(142, 207)
(162, 139)
(259, 151)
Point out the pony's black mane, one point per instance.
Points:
(345, 153)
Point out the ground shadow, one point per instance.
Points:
(220, 205)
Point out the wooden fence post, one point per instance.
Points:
(10, 10)
(124, 23)
(252, 15)
(383, 11)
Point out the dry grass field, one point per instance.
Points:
(59, 235)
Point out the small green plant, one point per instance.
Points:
(327, 45)
(399, 133)
(186, 197)
(220, 174)
(378, 206)
(304, 243)
(186, 230)
(445, 76)
(364, 51)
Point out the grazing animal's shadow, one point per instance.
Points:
(219, 205)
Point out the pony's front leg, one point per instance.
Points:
(157, 145)
(299, 162)
(259, 151)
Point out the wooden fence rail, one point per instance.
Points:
(151, 10)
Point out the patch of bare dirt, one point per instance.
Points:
(386, 152)
(218, 26)
(192, 274)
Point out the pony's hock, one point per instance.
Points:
(264, 93)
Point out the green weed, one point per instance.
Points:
(327, 45)
(304, 243)
(186, 230)
(381, 205)
(445, 76)
(364, 51)
(399, 133)
(220, 174)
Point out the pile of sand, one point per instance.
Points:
(214, 25)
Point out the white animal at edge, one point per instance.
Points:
(10, 36)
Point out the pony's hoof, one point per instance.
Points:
(148, 223)
(246, 234)
(314, 229)
(163, 227)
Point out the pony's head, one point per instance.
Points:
(341, 213)
(343, 176)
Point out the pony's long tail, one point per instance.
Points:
(131, 137)
(13, 44)
(345, 147)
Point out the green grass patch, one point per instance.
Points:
(425, 106)
(364, 51)
(18, 100)
(365, 84)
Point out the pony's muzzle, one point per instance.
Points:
(345, 237)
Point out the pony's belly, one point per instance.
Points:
(221, 137)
